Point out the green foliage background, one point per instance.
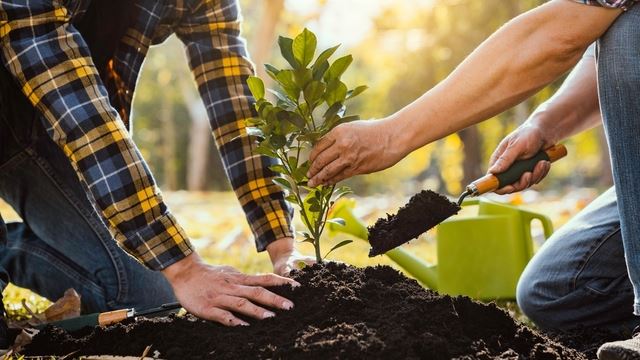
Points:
(409, 47)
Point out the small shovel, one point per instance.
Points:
(427, 208)
(111, 317)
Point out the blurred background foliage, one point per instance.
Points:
(401, 49)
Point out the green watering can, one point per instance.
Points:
(481, 256)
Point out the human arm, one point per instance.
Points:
(523, 56)
(52, 65)
(571, 110)
(218, 59)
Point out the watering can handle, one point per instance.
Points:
(529, 216)
(546, 222)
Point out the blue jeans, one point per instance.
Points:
(62, 242)
(588, 273)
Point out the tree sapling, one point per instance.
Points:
(309, 102)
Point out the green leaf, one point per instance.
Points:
(337, 221)
(254, 131)
(256, 86)
(286, 79)
(311, 137)
(286, 50)
(306, 237)
(293, 162)
(302, 77)
(300, 173)
(292, 118)
(349, 118)
(324, 56)
(313, 93)
(254, 121)
(266, 151)
(292, 198)
(320, 70)
(333, 110)
(337, 246)
(338, 68)
(304, 47)
(336, 92)
(279, 169)
(271, 70)
(283, 182)
(357, 91)
(277, 141)
(283, 99)
(340, 192)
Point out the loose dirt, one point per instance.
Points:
(341, 312)
(425, 210)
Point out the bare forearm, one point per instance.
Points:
(573, 108)
(528, 53)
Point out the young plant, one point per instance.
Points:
(309, 102)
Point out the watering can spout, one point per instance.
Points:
(424, 272)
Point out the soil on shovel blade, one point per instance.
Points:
(425, 210)
(341, 312)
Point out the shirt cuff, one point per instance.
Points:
(270, 221)
(613, 4)
(159, 245)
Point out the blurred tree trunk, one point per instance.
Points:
(167, 125)
(199, 137)
(265, 38)
(472, 164)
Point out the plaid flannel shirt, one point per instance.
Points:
(622, 4)
(52, 64)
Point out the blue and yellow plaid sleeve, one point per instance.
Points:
(218, 59)
(614, 4)
(50, 61)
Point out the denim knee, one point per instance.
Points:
(537, 306)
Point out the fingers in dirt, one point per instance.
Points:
(264, 297)
(223, 317)
(244, 306)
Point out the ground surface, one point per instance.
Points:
(341, 312)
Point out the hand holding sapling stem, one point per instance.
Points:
(359, 147)
(310, 103)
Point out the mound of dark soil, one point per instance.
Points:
(341, 312)
(425, 210)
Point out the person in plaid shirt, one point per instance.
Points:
(70, 168)
(588, 273)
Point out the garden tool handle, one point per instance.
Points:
(492, 182)
(106, 318)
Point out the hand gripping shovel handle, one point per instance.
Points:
(492, 182)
